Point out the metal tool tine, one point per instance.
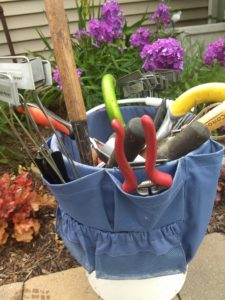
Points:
(63, 148)
(33, 123)
(45, 152)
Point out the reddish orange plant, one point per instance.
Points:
(18, 202)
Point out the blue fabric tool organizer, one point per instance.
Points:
(127, 236)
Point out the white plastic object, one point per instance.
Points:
(28, 72)
(8, 90)
(153, 101)
(157, 288)
(165, 127)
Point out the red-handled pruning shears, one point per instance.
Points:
(40, 118)
(157, 177)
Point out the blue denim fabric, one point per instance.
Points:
(125, 236)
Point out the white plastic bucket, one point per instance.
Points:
(157, 288)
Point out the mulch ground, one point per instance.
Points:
(217, 223)
(43, 255)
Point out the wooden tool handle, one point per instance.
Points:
(68, 75)
(65, 59)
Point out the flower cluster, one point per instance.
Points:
(108, 30)
(80, 34)
(140, 37)
(164, 53)
(161, 15)
(110, 26)
(56, 76)
(215, 52)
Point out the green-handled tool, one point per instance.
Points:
(109, 96)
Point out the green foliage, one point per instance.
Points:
(117, 58)
(8, 155)
(96, 62)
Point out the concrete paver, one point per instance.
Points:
(206, 273)
(67, 285)
(12, 291)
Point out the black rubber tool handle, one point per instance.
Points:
(134, 142)
(189, 139)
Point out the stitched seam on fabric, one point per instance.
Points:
(98, 233)
(81, 192)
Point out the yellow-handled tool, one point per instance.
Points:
(215, 118)
(208, 92)
(194, 135)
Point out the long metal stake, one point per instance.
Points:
(7, 35)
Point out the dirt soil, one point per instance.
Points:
(217, 223)
(45, 254)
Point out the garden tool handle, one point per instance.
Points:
(130, 183)
(40, 118)
(156, 176)
(68, 74)
(134, 142)
(46, 169)
(160, 114)
(194, 135)
(109, 97)
(189, 139)
(203, 93)
(215, 118)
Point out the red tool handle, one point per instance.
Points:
(130, 182)
(156, 176)
(40, 118)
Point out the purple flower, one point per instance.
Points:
(94, 28)
(164, 53)
(56, 76)
(140, 37)
(79, 72)
(215, 52)
(80, 34)
(110, 26)
(113, 15)
(161, 15)
(121, 49)
(100, 31)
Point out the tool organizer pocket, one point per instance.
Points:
(125, 236)
(123, 255)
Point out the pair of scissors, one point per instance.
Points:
(157, 177)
